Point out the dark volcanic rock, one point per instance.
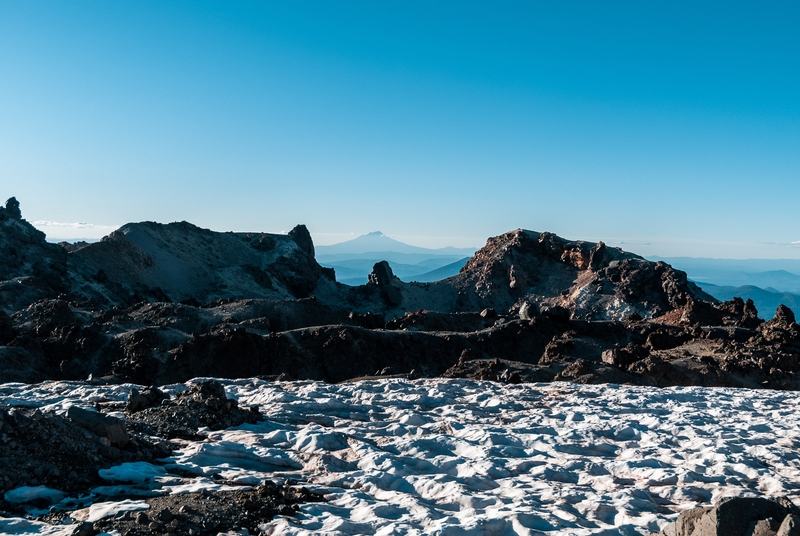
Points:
(7, 333)
(210, 512)
(65, 342)
(330, 353)
(735, 312)
(30, 268)
(101, 425)
(12, 209)
(387, 283)
(154, 304)
(625, 356)
(28, 458)
(139, 400)
(435, 321)
(367, 320)
(783, 316)
(590, 280)
(738, 516)
(203, 404)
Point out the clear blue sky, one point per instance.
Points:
(673, 127)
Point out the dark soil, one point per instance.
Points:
(210, 512)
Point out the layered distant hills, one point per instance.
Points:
(353, 260)
(768, 282)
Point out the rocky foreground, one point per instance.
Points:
(155, 304)
(68, 460)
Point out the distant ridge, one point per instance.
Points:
(441, 273)
(376, 242)
(766, 300)
(353, 260)
(780, 274)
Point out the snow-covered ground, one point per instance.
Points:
(455, 457)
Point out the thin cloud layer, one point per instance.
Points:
(73, 230)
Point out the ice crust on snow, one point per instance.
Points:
(103, 510)
(26, 494)
(467, 457)
(24, 526)
(138, 472)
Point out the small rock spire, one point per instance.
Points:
(12, 209)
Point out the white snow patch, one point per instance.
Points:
(16, 525)
(137, 472)
(467, 457)
(26, 494)
(103, 510)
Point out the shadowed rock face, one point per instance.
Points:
(30, 268)
(180, 261)
(739, 516)
(154, 303)
(593, 281)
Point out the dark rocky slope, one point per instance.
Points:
(90, 440)
(154, 303)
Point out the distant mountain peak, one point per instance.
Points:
(377, 242)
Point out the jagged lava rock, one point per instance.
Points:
(30, 267)
(593, 281)
(738, 516)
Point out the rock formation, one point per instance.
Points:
(154, 303)
(739, 516)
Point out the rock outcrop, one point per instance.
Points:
(739, 516)
(593, 281)
(179, 261)
(30, 268)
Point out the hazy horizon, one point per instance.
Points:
(668, 130)
(323, 239)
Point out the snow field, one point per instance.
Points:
(453, 457)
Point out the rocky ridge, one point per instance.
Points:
(162, 303)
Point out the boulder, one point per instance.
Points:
(12, 209)
(784, 316)
(737, 516)
(528, 311)
(150, 397)
(389, 285)
(625, 356)
(100, 424)
(556, 312)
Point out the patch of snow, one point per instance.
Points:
(103, 510)
(19, 526)
(26, 494)
(441, 456)
(132, 472)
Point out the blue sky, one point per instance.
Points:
(669, 129)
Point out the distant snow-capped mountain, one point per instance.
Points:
(353, 260)
(376, 242)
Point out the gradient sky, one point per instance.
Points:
(668, 128)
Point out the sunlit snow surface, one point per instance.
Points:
(465, 457)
